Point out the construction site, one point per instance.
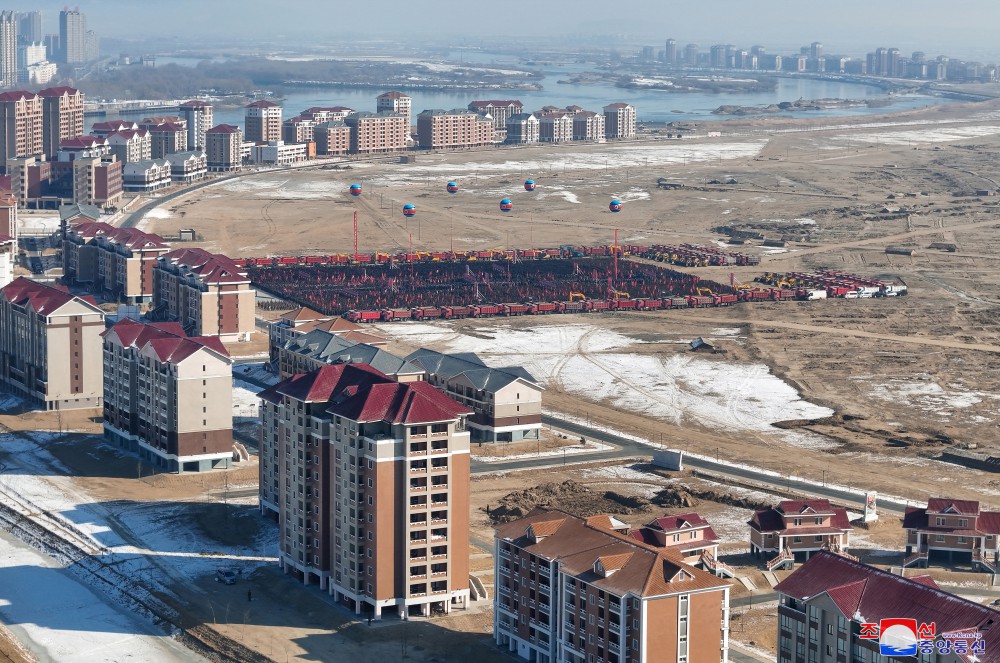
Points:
(865, 390)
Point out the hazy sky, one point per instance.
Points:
(961, 28)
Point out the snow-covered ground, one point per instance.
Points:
(60, 619)
(586, 448)
(595, 363)
(245, 401)
(936, 400)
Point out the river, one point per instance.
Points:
(651, 105)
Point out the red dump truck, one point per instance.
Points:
(457, 311)
(363, 316)
(484, 310)
(391, 314)
(513, 309)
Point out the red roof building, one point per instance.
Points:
(794, 529)
(688, 534)
(829, 602)
(168, 396)
(369, 479)
(117, 262)
(955, 530)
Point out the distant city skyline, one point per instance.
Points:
(853, 28)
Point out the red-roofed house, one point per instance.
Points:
(49, 345)
(208, 293)
(168, 396)
(370, 479)
(824, 604)
(795, 529)
(118, 262)
(688, 534)
(577, 590)
(958, 530)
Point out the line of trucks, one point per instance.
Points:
(833, 284)
(691, 255)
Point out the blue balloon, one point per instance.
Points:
(506, 205)
(615, 205)
(409, 209)
(355, 189)
(529, 185)
(452, 187)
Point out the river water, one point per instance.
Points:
(651, 105)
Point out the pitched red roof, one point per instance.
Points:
(207, 267)
(223, 129)
(43, 298)
(113, 126)
(129, 134)
(773, 519)
(16, 95)
(400, 403)
(81, 142)
(865, 593)
(167, 339)
(392, 95)
(327, 382)
(263, 103)
(964, 507)
(58, 91)
(167, 126)
(671, 523)
(796, 507)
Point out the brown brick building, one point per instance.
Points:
(579, 590)
(20, 125)
(373, 133)
(262, 121)
(455, 129)
(62, 116)
(116, 262)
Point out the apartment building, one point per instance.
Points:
(396, 102)
(500, 110)
(619, 121)
(321, 114)
(589, 126)
(795, 529)
(81, 146)
(73, 36)
(62, 116)
(168, 396)
(522, 128)
(131, 145)
(278, 153)
(579, 590)
(49, 343)
(105, 129)
(298, 130)
(830, 610)
(262, 121)
(117, 263)
(307, 352)
(207, 293)
(197, 115)
(456, 129)
(380, 133)
(952, 530)
(224, 148)
(20, 125)
(167, 138)
(507, 402)
(187, 167)
(555, 127)
(8, 49)
(332, 138)
(372, 488)
(8, 238)
(304, 320)
(146, 175)
(28, 177)
(97, 181)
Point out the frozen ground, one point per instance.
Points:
(594, 363)
(245, 401)
(940, 401)
(81, 625)
(587, 447)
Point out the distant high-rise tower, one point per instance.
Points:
(8, 49)
(73, 36)
(198, 116)
(262, 121)
(691, 55)
(670, 53)
(816, 50)
(29, 27)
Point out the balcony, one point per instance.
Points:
(505, 554)
(614, 648)
(614, 627)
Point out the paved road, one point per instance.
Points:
(626, 448)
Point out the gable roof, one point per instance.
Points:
(332, 348)
(42, 298)
(263, 103)
(399, 403)
(472, 367)
(944, 504)
(58, 91)
(866, 593)
(167, 339)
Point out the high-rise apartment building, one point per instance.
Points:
(49, 345)
(62, 117)
(73, 36)
(131, 145)
(522, 128)
(20, 125)
(395, 102)
(619, 120)
(115, 262)
(168, 396)
(691, 55)
(370, 478)
(224, 148)
(8, 48)
(97, 181)
(373, 133)
(29, 27)
(588, 125)
(575, 590)
(670, 52)
(262, 121)
(167, 138)
(198, 116)
(500, 110)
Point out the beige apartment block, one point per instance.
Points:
(499, 110)
(117, 262)
(377, 133)
(62, 117)
(49, 345)
(167, 396)
(262, 121)
(619, 120)
(20, 125)
(396, 102)
(224, 148)
(576, 590)
(207, 293)
(455, 129)
(332, 138)
(198, 117)
(372, 488)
